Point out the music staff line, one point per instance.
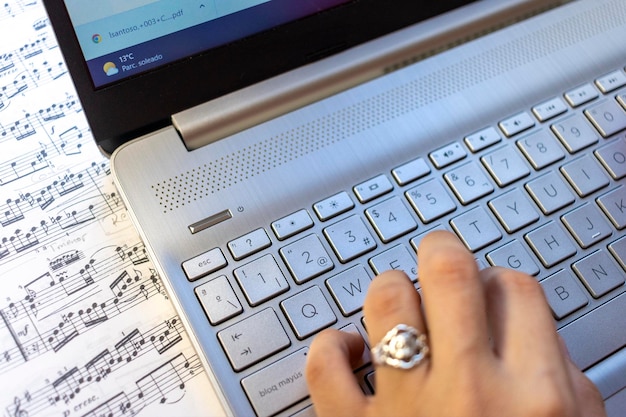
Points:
(29, 342)
(44, 292)
(28, 125)
(73, 214)
(157, 385)
(42, 156)
(66, 388)
(14, 8)
(64, 187)
(33, 65)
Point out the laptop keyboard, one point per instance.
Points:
(541, 191)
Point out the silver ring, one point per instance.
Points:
(403, 347)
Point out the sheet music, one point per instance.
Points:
(86, 328)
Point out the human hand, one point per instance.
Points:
(494, 350)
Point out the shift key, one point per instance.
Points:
(279, 385)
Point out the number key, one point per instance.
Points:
(505, 166)
(261, 280)
(541, 149)
(350, 238)
(608, 117)
(391, 219)
(575, 133)
(430, 200)
(306, 258)
(468, 182)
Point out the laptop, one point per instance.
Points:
(275, 156)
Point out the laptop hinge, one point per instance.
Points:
(232, 113)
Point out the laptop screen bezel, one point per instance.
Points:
(129, 108)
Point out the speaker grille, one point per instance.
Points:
(220, 174)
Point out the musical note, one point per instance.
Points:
(161, 381)
(101, 365)
(170, 337)
(67, 386)
(61, 221)
(13, 214)
(130, 346)
(6, 62)
(66, 259)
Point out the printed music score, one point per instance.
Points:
(86, 327)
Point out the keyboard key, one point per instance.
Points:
(563, 294)
(587, 224)
(516, 124)
(608, 117)
(476, 229)
(614, 206)
(613, 158)
(599, 273)
(550, 192)
(596, 334)
(277, 386)
(261, 280)
(621, 98)
(514, 210)
(575, 133)
(549, 109)
(447, 155)
(469, 183)
(249, 244)
(581, 95)
(611, 82)
(218, 300)
(308, 312)
(618, 249)
(204, 264)
(292, 224)
(333, 206)
(350, 238)
(585, 175)
(373, 188)
(398, 257)
(253, 339)
(348, 288)
(505, 166)
(430, 200)
(306, 258)
(541, 149)
(482, 139)
(410, 171)
(391, 219)
(513, 255)
(550, 244)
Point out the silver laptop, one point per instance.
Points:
(276, 155)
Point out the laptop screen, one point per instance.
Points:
(122, 39)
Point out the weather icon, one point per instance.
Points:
(96, 38)
(110, 69)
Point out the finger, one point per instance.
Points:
(522, 325)
(590, 402)
(588, 396)
(454, 300)
(391, 300)
(333, 388)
